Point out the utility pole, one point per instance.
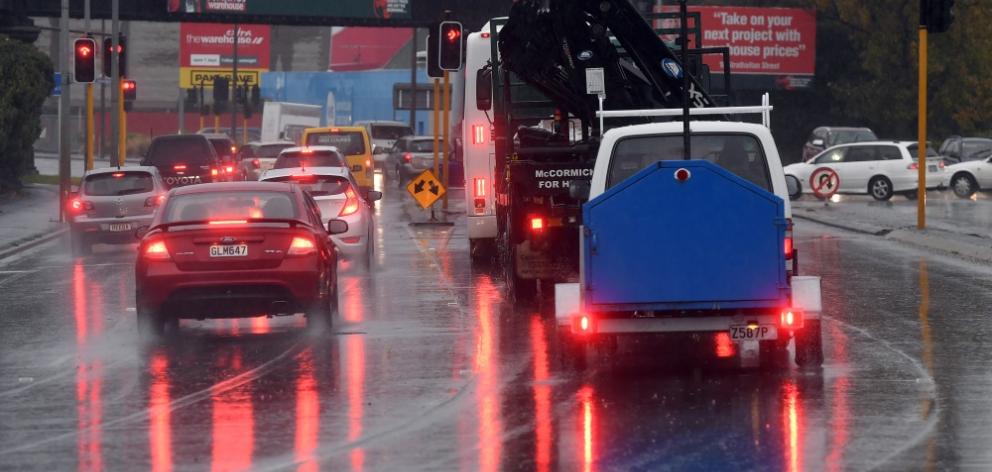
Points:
(65, 165)
(445, 133)
(234, 89)
(921, 151)
(103, 95)
(115, 79)
(413, 82)
(89, 98)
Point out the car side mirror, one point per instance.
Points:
(484, 89)
(337, 227)
(374, 195)
(579, 189)
(817, 142)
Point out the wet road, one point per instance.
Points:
(429, 369)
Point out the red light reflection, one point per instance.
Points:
(791, 416)
(542, 395)
(588, 453)
(233, 426)
(89, 375)
(307, 414)
(159, 415)
(355, 352)
(487, 367)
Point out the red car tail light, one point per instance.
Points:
(408, 158)
(789, 249)
(179, 167)
(214, 172)
(154, 201)
(480, 188)
(913, 166)
(583, 324)
(350, 204)
(227, 222)
(117, 175)
(157, 251)
(229, 169)
(536, 224)
(256, 163)
(301, 246)
(78, 205)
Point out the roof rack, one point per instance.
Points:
(764, 109)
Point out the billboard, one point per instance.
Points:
(207, 49)
(776, 42)
(383, 9)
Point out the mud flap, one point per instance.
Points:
(568, 302)
(806, 296)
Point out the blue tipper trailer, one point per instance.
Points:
(711, 242)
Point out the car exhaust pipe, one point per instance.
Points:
(280, 307)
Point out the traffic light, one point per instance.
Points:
(121, 56)
(221, 89)
(256, 96)
(130, 89)
(450, 47)
(84, 60)
(938, 15)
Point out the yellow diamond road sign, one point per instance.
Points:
(425, 188)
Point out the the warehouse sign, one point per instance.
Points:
(207, 50)
(383, 9)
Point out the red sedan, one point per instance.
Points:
(233, 250)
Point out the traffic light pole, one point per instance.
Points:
(921, 151)
(116, 95)
(445, 130)
(234, 82)
(89, 98)
(65, 167)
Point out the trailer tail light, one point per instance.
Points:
(301, 246)
(350, 204)
(478, 134)
(480, 188)
(157, 251)
(536, 224)
(408, 158)
(724, 345)
(789, 249)
(791, 319)
(583, 324)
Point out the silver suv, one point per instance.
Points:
(111, 204)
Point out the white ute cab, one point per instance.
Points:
(745, 150)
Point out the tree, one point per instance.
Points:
(26, 79)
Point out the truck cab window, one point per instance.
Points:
(738, 153)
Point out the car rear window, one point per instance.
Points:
(426, 145)
(288, 160)
(348, 142)
(271, 150)
(237, 205)
(740, 154)
(191, 150)
(118, 183)
(390, 131)
(852, 136)
(914, 152)
(222, 146)
(316, 185)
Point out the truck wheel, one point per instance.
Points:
(481, 250)
(809, 345)
(518, 289)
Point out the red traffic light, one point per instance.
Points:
(452, 33)
(130, 89)
(84, 60)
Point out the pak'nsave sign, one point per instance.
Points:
(383, 9)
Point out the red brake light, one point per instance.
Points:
(154, 201)
(789, 248)
(480, 188)
(234, 149)
(350, 204)
(940, 164)
(536, 224)
(157, 251)
(117, 175)
(77, 205)
(179, 167)
(256, 164)
(229, 169)
(228, 222)
(913, 166)
(214, 172)
(301, 246)
(408, 158)
(306, 151)
(478, 134)
(791, 319)
(485, 35)
(583, 324)
(335, 130)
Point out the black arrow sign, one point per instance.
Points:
(434, 188)
(419, 187)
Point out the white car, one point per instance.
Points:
(258, 157)
(338, 197)
(879, 168)
(971, 176)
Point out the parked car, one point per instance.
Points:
(111, 204)
(972, 175)
(384, 135)
(880, 169)
(184, 159)
(258, 157)
(957, 149)
(236, 249)
(338, 197)
(827, 136)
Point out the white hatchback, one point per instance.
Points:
(880, 169)
(338, 197)
(968, 177)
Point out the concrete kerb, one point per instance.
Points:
(32, 241)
